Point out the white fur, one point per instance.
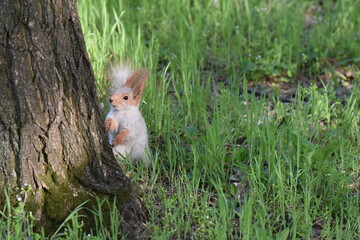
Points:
(118, 74)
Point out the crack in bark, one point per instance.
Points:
(63, 143)
(34, 178)
(43, 148)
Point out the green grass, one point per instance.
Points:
(228, 164)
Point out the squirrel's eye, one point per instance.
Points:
(126, 97)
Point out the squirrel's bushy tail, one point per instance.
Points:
(118, 74)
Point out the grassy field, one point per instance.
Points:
(231, 161)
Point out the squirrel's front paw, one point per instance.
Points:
(109, 125)
(117, 140)
(120, 138)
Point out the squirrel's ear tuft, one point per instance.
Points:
(118, 74)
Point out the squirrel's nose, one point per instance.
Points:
(111, 100)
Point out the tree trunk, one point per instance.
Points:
(51, 128)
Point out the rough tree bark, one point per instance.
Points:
(51, 128)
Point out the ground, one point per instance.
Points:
(252, 110)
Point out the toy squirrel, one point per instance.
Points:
(124, 123)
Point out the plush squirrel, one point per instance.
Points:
(124, 123)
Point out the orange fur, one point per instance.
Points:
(138, 89)
(109, 125)
(120, 138)
(132, 79)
